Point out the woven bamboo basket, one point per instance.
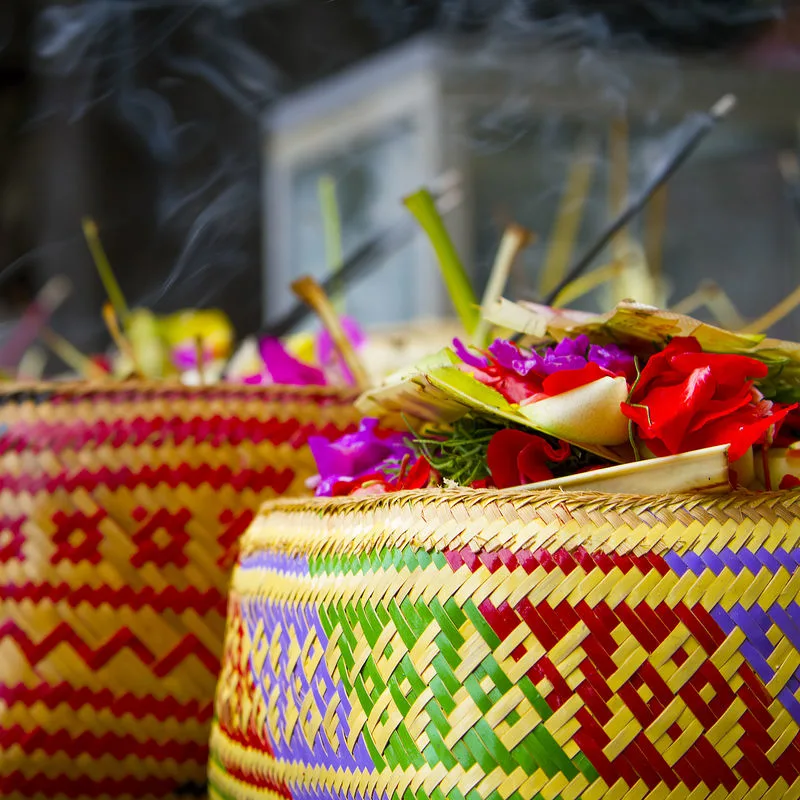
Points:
(514, 645)
(120, 510)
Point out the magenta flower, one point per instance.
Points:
(356, 454)
(468, 356)
(327, 354)
(283, 367)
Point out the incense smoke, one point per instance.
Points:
(183, 84)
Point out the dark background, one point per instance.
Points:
(145, 116)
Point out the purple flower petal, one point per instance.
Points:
(468, 356)
(613, 358)
(508, 355)
(285, 368)
(554, 363)
(356, 454)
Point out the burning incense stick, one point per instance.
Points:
(570, 214)
(514, 241)
(703, 124)
(312, 293)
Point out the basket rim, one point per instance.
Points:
(518, 519)
(79, 389)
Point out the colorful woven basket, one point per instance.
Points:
(120, 510)
(513, 645)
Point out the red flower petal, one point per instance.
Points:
(513, 386)
(501, 456)
(567, 379)
(789, 482)
(417, 476)
(516, 458)
(728, 369)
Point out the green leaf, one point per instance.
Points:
(462, 295)
(101, 262)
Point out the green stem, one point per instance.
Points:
(421, 204)
(101, 262)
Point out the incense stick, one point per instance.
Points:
(332, 229)
(369, 256)
(570, 214)
(312, 293)
(70, 355)
(123, 345)
(514, 241)
(703, 125)
(618, 178)
(775, 314)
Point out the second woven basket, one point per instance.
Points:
(514, 646)
(121, 506)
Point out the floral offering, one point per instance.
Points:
(509, 415)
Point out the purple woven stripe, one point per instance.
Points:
(788, 620)
(722, 619)
(755, 623)
(276, 562)
(676, 563)
(307, 793)
(735, 561)
(295, 686)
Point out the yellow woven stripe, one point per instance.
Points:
(107, 766)
(62, 717)
(136, 456)
(117, 549)
(374, 784)
(241, 402)
(71, 796)
(453, 519)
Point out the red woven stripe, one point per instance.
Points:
(138, 706)
(95, 658)
(258, 781)
(43, 786)
(217, 431)
(169, 599)
(227, 392)
(216, 478)
(106, 744)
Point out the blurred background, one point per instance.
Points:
(201, 134)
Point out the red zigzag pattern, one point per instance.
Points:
(138, 706)
(106, 744)
(169, 599)
(100, 656)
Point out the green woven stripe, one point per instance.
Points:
(363, 622)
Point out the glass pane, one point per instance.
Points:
(371, 177)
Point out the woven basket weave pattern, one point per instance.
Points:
(120, 512)
(494, 646)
